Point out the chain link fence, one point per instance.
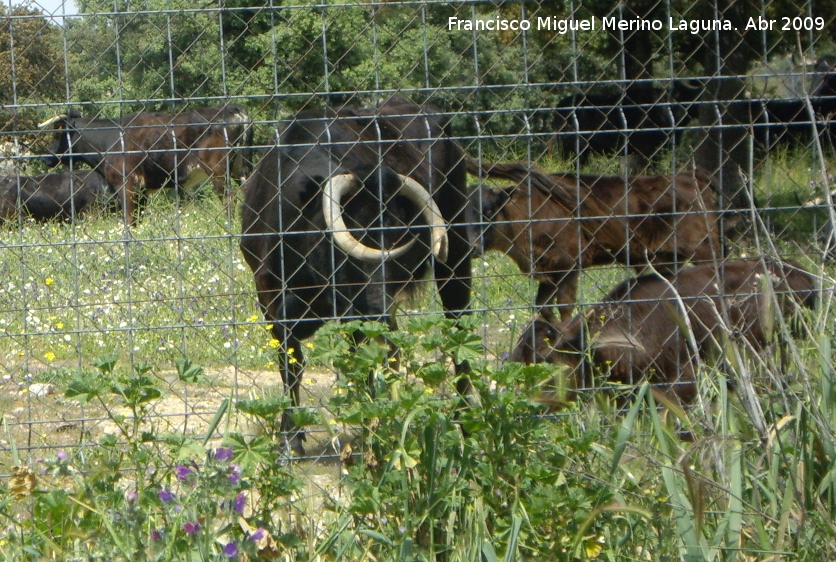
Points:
(744, 91)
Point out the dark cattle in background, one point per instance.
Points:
(145, 151)
(789, 121)
(65, 195)
(639, 330)
(561, 223)
(827, 236)
(643, 119)
(336, 222)
(826, 69)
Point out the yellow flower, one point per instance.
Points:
(23, 481)
(49, 281)
(49, 356)
(593, 550)
(309, 345)
(274, 343)
(59, 325)
(253, 318)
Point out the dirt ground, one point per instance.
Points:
(40, 420)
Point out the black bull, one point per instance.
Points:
(351, 165)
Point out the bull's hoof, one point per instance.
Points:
(293, 443)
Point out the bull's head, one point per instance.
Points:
(552, 341)
(487, 203)
(341, 185)
(60, 151)
(536, 343)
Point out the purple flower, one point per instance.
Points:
(61, 455)
(156, 535)
(239, 502)
(131, 496)
(231, 550)
(191, 528)
(166, 496)
(234, 474)
(258, 535)
(183, 472)
(223, 454)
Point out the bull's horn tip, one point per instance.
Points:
(52, 120)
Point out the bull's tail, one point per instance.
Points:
(703, 177)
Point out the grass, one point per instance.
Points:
(107, 317)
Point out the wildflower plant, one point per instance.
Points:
(138, 495)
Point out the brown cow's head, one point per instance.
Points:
(536, 343)
(486, 204)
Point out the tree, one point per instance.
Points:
(31, 66)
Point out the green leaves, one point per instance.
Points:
(85, 387)
(268, 408)
(187, 371)
(134, 389)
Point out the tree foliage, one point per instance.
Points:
(31, 71)
(283, 56)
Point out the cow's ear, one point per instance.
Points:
(617, 340)
(494, 200)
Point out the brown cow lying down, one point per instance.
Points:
(640, 331)
(65, 195)
(561, 223)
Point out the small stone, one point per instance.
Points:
(39, 390)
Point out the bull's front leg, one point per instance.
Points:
(219, 182)
(562, 292)
(279, 305)
(453, 279)
(292, 368)
(125, 186)
(546, 293)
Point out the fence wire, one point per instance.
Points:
(122, 271)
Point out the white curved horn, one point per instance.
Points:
(52, 120)
(336, 188)
(416, 193)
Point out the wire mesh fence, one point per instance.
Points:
(641, 132)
